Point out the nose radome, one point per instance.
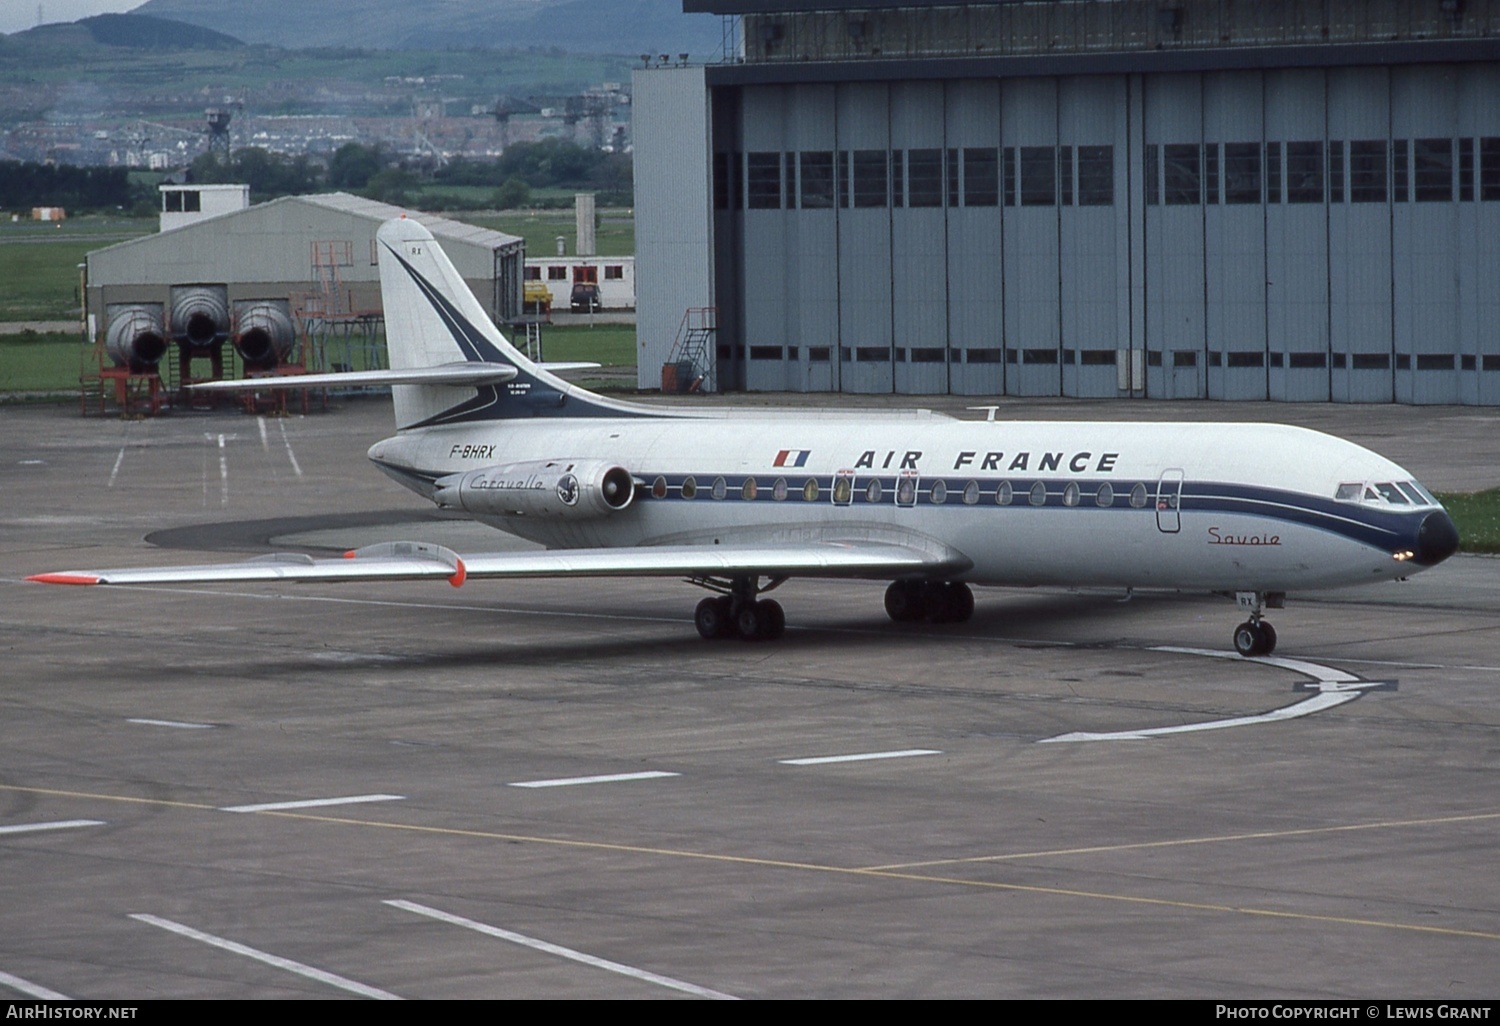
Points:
(1437, 539)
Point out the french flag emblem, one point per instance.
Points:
(792, 458)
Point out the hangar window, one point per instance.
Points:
(689, 488)
(1038, 495)
(1153, 175)
(1038, 176)
(1400, 171)
(1273, 172)
(869, 178)
(924, 178)
(1489, 168)
(1065, 174)
(981, 177)
(898, 180)
(1138, 496)
(1241, 173)
(1367, 171)
(1008, 171)
(1211, 173)
(1183, 173)
(1105, 496)
(763, 180)
(1433, 170)
(1304, 172)
(1336, 172)
(817, 180)
(1096, 176)
(789, 165)
(953, 167)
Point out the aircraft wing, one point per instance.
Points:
(401, 561)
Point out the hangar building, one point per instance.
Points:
(1289, 199)
(302, 255)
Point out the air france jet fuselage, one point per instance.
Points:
(739, 501)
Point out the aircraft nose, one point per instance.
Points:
(1437, 539)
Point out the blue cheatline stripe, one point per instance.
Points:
(1377, 528)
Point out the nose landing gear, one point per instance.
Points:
(1256, 637)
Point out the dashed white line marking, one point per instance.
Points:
(61, 824)
(223, 474)
(170, 723)
(609, 778)
(820, 760)
(265, 442)
(296, 467)
(559, 950)
(314, 803)
(116, 471)
(31, 989)
(277, 961)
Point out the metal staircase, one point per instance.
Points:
(691, 367)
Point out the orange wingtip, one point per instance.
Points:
(349, 554)
(460, 575)
(64, 578)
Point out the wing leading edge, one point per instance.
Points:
(405, 561)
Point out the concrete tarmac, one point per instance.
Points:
(547, 789)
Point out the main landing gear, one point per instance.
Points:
(937, 601)
(737, 612)
(1256, 637)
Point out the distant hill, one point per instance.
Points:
(137, 31)
(577, 26)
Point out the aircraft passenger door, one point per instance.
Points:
(1169, 502)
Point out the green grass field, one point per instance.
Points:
(1477, 515)
(614, 235)
(39, 276)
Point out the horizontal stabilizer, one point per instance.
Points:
(469, 373)
(396, 561)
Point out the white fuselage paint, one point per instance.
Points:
(1253, 546)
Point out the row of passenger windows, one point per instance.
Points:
(1354, 171)
(908, 490)
(969, 177)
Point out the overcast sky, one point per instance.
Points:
(17, 15)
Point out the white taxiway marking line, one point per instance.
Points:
(31, 989)
(116, 471)
(1334, 687)
(260, 956)
(822, 759)
(314, 803)
(265, 442)
(296, 468)
(556, 949)
(608, 778)
(170, 723)
(61, 824)
(223, 474)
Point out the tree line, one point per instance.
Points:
(24, 185)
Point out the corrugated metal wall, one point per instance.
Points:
(1302, 234)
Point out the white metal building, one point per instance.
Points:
(1291, 199)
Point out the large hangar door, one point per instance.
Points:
(1297, 236)
(1234, 236)
(1359, 235)
(975, 311)
(1093, 233)
(864, 239)
(770, 270)
(1029, 159)
(918, 237)
(1175, 198)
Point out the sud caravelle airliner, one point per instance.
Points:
(740, 502)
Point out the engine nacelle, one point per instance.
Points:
(564, 489)
(134, 336)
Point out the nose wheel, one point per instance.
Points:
(1255, 637)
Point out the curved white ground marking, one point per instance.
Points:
(1330, 687)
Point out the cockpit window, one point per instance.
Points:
(1390, 493)
(1385, 493)
(1349, 492)
(1409, 489)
